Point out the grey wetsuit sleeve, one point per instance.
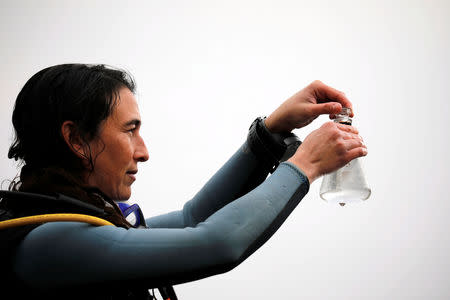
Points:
(239, 175)
(69, 254)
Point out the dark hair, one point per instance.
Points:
(83, 94)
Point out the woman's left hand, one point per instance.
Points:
(305, 106)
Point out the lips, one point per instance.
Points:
(132, 174)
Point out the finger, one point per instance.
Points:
(325, 93)
(356, 152)
(352, 136)
(325, 108)
(354, 143)
(347, 128)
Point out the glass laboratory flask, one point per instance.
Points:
(347, 184)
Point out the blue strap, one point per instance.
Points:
(128, 209)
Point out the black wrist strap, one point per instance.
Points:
(271, 148)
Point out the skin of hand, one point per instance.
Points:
(305, 106)
(327, 149)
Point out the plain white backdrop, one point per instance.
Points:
(206, 69)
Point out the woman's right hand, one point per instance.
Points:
(327, 149)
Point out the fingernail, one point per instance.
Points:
(364, 151)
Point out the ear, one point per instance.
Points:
(72, 138)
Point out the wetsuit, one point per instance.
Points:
(226, 221)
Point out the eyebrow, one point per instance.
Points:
(135, 122)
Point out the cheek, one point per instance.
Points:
(108, 162)
(124, 152)
(119, 156)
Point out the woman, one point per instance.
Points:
(77, 135)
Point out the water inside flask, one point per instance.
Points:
(347, 184)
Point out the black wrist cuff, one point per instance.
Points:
(271, 148)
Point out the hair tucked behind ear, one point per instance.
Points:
(83, 94)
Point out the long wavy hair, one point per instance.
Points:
(87, 96)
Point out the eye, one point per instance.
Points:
(132, 130)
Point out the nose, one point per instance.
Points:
(141, 153)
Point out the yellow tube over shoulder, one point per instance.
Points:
(39, 219)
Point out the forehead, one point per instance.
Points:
(126, 108)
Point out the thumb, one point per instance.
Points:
(326, 108)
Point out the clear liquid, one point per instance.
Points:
(346, 185)
(346, 196)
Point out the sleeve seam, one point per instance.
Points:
(297, 171)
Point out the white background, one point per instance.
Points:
(206, 69)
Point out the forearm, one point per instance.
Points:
(239, 175)
(85, 255)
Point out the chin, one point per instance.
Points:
(125, 195)
(122, 195)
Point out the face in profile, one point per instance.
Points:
(118, 149)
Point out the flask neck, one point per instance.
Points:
(344, 117)
(343, 120)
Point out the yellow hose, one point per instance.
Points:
(38, 219)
